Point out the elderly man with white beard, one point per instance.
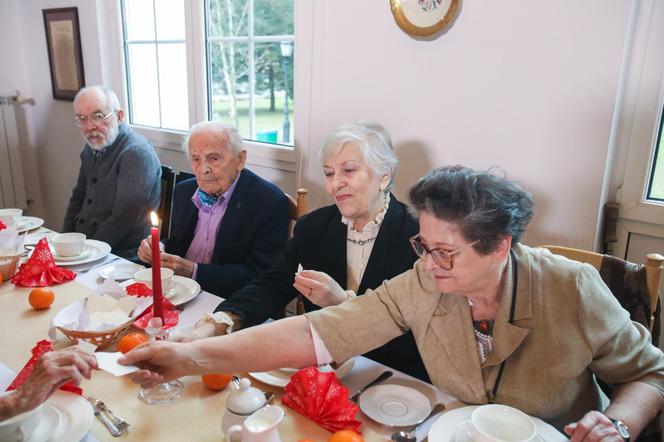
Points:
(119, 180)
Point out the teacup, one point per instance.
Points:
(8, 216)
(21, 427)
(145, 276)
(500, 423)
(68, 244)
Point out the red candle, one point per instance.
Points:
(157, 295)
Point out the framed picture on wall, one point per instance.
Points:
(63, 41)
(424, 18)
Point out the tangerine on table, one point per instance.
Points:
(40, 299)
(217, 381)
(131, 340)
(346, 436)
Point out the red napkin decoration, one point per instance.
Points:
(321, 397)
(138, 289)
(39, 349)
(171, 316)
(2, 225)
(40, 270)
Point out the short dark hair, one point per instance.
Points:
(485, 206)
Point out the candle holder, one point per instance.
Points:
(166, 392)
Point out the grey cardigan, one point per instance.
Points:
(115, 191)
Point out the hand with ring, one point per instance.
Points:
(319, 288)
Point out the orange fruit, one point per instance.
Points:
(40, 299)
(131, 340)
(217, 381)
(1, 281)
(346, 436)
(306, 440)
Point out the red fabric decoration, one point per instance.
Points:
(321, 397)
(138, 289)
(40, 270)
(171, 316)
(2, 225)
(39, 349)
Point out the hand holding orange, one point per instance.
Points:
(40, 298)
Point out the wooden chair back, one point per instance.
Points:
(654, 265)
(166, 200)
(296, 209)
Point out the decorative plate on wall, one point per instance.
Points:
(424, 18)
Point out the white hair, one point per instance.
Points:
(224, 130)
(373, 141)
(112, 101)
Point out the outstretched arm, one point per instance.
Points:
(284, 343)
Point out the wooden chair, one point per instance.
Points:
(654, 265)
(296, 209)
(166, 199)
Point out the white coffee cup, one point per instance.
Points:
(68, 244)
(500, 423)
(145, 276)
(8, 216)
(21, 427)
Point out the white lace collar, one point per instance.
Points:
(371, 228)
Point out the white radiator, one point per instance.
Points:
(12, 184)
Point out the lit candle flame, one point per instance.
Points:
(154, 219)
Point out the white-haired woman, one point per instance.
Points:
(344, 249)
(229, 224)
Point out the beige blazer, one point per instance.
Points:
(567, 327)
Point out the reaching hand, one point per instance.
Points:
(161, 361)
(594, 426)
(180, 266)
(145, 250)
(319, 288)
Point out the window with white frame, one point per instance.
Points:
(656, 179)
(248, 52)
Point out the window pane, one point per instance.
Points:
(228, 18)
(274, 121)
(170, 19)
(656, 185)
(139, 19)
(273, 17)
(229, 84)
(143, 84)
(173, 86)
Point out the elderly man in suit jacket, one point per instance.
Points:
(229, 224)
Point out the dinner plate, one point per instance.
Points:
(26, 223)
(84, 254)
(395, 405)
(183, 290)
(73, 421)
(281, 376)
(95, 250)
(120, 271)
(449, 427)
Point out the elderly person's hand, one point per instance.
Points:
(319, 288)
(161, 362)
(594, 426)
(145, 250)
(52, 370)
(181, 266)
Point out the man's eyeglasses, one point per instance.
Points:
(443, 258)
(96, 118)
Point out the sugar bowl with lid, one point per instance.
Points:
(242, 401)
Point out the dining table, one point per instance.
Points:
(197, 414)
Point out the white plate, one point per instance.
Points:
(120, 272)
(447, 427)
(84, 254)
(74, 419)
(183, 290)
(395, 405)
(97, 251)
(27, 223)
(281, 376)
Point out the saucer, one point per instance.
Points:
(395, 405)
(75, 418)
(183, 290)
(48, 425)
(82, 255)
(26, 223)
(119, 272)
(96, 251)
(448, 427)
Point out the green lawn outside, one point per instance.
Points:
(265, 120)
(657, 189)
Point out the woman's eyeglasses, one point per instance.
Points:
(96, 118)
(443, 258)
